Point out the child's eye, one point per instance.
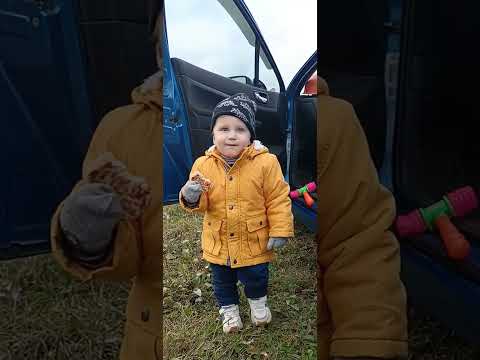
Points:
(241, 129)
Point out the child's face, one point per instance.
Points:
(230, 136)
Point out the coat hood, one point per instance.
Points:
(150, 93)
(322, 87)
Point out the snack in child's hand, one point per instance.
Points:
(204, 182)
(134, 192)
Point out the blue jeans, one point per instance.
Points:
(254, 278)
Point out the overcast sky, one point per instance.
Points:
(290, 30)
(201, 33)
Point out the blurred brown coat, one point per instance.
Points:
(131, 133)
(361, 300)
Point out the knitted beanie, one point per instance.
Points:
(240, 106)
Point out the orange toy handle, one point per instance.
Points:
(308, 199)
(455, 243)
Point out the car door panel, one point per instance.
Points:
(202, 90)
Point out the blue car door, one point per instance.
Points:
(213, 49)
(177, 154)
(62, 67)
(45, 127)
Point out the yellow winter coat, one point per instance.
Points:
(246, 205)
(133, 134)
(361, 300)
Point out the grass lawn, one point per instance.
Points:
(192, 329)
(47, 315)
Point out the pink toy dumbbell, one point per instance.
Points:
(304, 190)
(457, 203)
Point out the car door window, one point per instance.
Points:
(266, 73)
(223, 42)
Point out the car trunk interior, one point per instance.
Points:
(437, 148)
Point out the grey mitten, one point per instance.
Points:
(88, 219)
(191, 191)
(276, 242)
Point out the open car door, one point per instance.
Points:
(63, 65)
(229, 56)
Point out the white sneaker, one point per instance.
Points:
(231, 318)
(259, 311)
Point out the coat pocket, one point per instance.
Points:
(211, 242)
(257, 235)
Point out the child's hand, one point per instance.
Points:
(191, 191)
(89, 216)
(204, 182)
(276, 242)
(134, 192)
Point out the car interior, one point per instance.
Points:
(435, 148)
(304, 143)
(440, 102)
(438, 110)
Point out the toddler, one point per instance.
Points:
(247, 210)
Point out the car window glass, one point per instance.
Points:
(266, 73)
